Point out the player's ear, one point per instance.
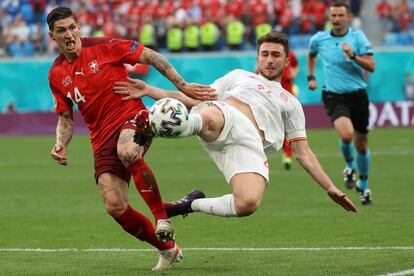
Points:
(287, 61)
(51, 35)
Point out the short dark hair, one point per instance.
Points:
(274, 37)
(339, 3)
(58, 14)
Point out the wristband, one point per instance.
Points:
(311, 78)
(353, 56)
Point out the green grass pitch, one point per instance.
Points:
(46, 206)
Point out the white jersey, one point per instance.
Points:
(277, 112)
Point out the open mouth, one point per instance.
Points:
(70, 44)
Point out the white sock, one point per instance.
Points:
(195, 123)
(218, 206)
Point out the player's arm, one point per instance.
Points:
(310, 163)
(294, 71)
(193, 90)
(135, 89)
(312, 84)
(294, 66)
(64, 132)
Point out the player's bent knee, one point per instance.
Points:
(246, 207)
(115, 208)
(213, 122)
(128, 154)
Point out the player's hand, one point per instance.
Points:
(58, 153)
(312, 84)
(198, 91)
(341, 198)
(347, 49)
(131, 90)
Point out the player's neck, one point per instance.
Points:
(276, 78)
(70, 57)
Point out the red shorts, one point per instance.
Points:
(106, 156)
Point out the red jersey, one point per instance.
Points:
(88, 81)
(287, 80)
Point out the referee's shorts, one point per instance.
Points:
(354, 105)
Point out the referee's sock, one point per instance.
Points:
(348, 153)
(363, 163)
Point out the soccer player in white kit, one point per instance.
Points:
(250, 119)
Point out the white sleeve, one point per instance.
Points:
(224, 83)
(295, 122)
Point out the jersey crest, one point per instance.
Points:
(93, 66)
(66, 81)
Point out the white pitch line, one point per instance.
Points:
(379, 248)
(400, 273)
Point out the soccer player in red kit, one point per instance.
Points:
(84, 74)
(290, 73)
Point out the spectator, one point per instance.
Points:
(10, 108)
(175, 37)
(384, 12)
(209, 35)
(192, 35)
(235, 34)
(409, 87)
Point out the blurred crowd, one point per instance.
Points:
(397, 21)
(396, 16)
(180, 25)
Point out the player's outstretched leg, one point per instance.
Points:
(168, 258)
(183, 206)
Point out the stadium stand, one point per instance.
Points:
(24, 32)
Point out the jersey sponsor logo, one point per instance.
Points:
(134, 47)
(66, 81)
(94, 66)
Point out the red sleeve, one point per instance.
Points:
(62, 103)
(125, 51)
(293, 59)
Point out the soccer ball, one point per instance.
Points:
(168, 118)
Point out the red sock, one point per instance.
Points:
(286, 148)
(141, 227)
(148, 188)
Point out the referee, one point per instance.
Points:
(346, 53)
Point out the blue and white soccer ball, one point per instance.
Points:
(168, 118)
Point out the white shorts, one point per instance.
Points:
(239, 148)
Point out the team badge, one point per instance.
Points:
(284, 97)
(66, 81)
(93, 65)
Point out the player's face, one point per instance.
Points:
(272, 60)
(66, 33)
(339, 18)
